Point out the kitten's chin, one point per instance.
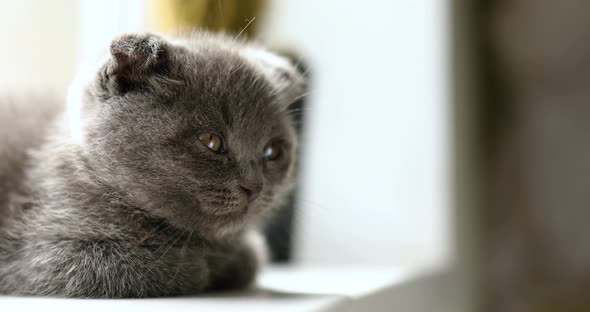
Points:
(226, 228)
(229, 223)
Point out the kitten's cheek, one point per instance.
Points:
(259, 205)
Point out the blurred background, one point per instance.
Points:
(435, 133)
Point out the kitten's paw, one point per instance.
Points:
(238, 268)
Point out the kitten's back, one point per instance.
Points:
(23, 123)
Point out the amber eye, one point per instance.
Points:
(212, 141)
(272, 151)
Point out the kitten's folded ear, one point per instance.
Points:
(134, 59)
(288, 82)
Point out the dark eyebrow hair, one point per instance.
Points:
(226, 114)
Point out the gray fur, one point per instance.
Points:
(121, 199)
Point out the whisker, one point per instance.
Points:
(170, 246)
(187, 242)
(164, 244)
(221, 14)
(250, 22)
(299, 97)
(304, 202)
(296, 110)
(157, 230)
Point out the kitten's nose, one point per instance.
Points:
(252, 191)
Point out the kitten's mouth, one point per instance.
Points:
(235, 212)
(242, 211)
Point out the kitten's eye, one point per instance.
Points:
(272, 151)
(213, 141)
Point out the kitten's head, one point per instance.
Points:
(195, 130)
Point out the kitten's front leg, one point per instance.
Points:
(102, 269)
(235, 266)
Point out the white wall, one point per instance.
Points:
(104, 19)
(376, 182)
(43, 42)
(38, 44)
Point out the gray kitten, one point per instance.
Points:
(152, 182)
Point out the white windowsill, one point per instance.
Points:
(282, 288)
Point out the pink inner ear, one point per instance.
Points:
(121, 57)
(136, 51)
